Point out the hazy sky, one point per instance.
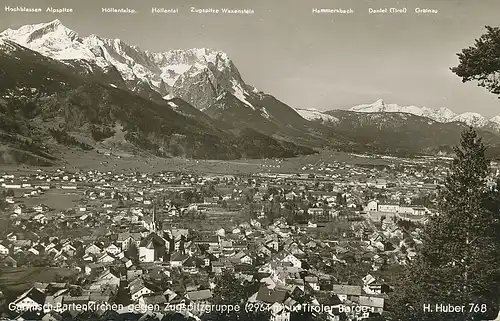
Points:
(307, 60)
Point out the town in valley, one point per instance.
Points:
(331, 234)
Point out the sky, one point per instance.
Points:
(304, 59)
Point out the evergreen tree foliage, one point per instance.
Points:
(481, 62)
(459, 261)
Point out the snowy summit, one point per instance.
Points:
(441, 115)
(163, 72)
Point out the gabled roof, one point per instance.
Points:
(83, 299)
(199, 295)
(346, 289)
(370, 301)
(125, 235)
(178, 232)
(154, 298)
(7, 259)
(153, 240)
(311, 279)
(192, 262)
(169, 294)
(136, 285)
(112, 272)
(271, 296)
(94, 245)
(34, 294)
(240, 255)
(368, 279)
(177, 256)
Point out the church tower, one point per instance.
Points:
(154, 223)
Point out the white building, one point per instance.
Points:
(388, 208)
(372, 206)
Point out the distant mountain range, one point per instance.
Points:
(60, 89)
(442, 115)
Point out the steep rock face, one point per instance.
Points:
(194, 74)
(47, 105)
(206, 79)
(197, 89)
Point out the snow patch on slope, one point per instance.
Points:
(173, 105)
(240, 93)
(263, 112)
(314, 114)
(7, 47)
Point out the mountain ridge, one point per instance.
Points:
(46, 105)
(204, 78)
(165, 72)
(189, 94)
(442, 115)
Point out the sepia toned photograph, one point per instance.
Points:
(247, 160)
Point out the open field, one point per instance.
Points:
(16, 280)
(213, 221)
(56, 199)
(91, 160)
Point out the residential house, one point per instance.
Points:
(269, 296)
(138, 288)
(264, 251)
(113, 249)
(292, 259)
(191, 264)
(217, 267)
(241, 258)
(4, 250)
(200, 296)
(68, 249)
(346, 292)
(153, 299)
(372, 206)
(105, 258)
(313, 282)
(126, 239)
(110, 277)
(177, 259)
(93, 249)
(19, 208)
(272, 244)
(31, 300)
(376, 304)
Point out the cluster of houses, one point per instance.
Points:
(143, 259)
(169, 268)
(144, 263)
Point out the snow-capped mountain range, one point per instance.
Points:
(171, 73)
(442, 115)
(205, 78)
